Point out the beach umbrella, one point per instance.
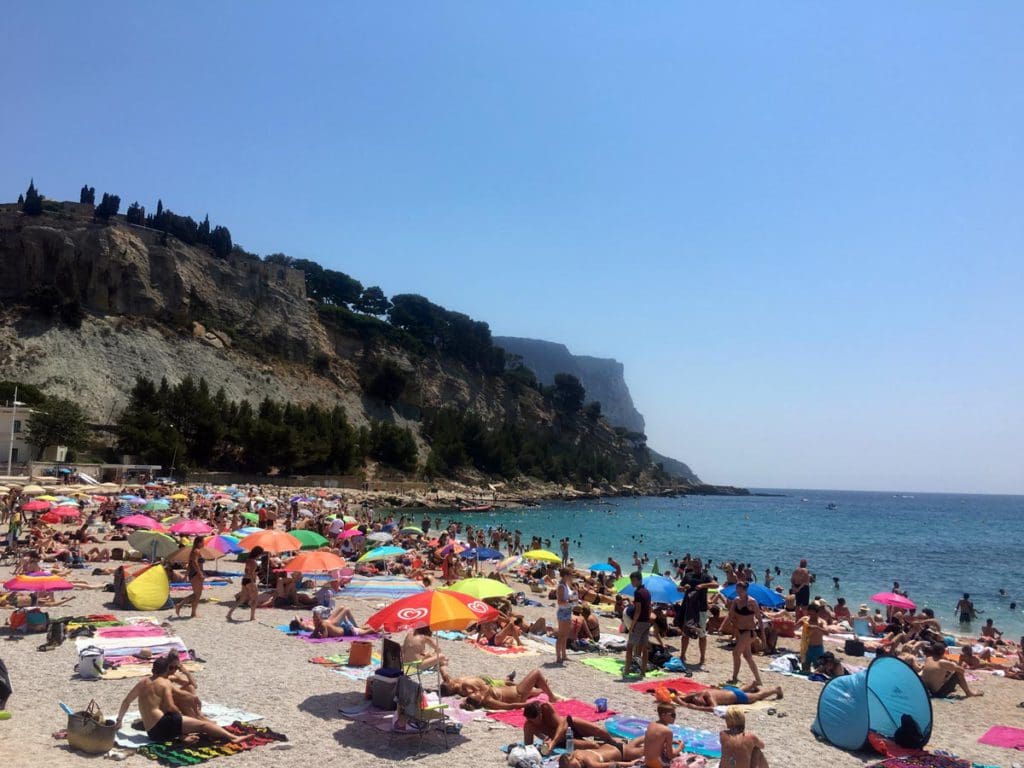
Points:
(66, 511)
(40, 581)
(381, 553)
(380, 536)
(252, 517)
(140, 521)
(33, 490)
(171, 519)
(663, 590)
(435, 609)
(542, 554)
(192, 528)
(603, 567)
(481, 588)
(50, 518)
(224, 544)
(309, 539)
(350, 533)
(765, 597)
(207, 553)
(482, 553)
(656, 569)
(893, 600)
(622, 582)
(179, 497)
(156, 505)
(315, 562)
(152, 544)
(35, 506)
(413, 529)
(271, 541)
(241, 533)
(47, 497)
(508, 562)
(453, 546)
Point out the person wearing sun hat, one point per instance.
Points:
(864, 611)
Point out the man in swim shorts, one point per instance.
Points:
(660, 746)
(160, 716)
(814, 630)
(941, 676)
(727, 695)
(640, 634)
(800, 585)
(542, 720)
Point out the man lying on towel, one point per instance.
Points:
(160, 715)
(483, 695)
(726, 696)
(542, 720)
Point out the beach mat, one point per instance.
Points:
(381, 587)
(207, 583)
(1003, 736)
(176, 753)
(129, 738)
(573, 707)
(303, 634)
(678, 684)
(613, 666)
(125, 671)
(502, 650)
(924, 760)
(696, 741)
(339, 663)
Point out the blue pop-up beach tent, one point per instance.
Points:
(874, 699)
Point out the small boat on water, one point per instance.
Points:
(478, 508)
(831, 505)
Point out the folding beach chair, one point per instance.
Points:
(421, 719)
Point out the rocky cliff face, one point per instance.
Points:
(604, 379)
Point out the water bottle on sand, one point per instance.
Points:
(569, 746)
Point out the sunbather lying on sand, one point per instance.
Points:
(337, 623)
(727, 695)
(482, 694)
(605, 755)
(542, 720)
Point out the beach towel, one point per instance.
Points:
(339, 663)
(924, 760)
(175, 753)
(381, 587)
(140, 668)
(1003, 736)
(698, 742)
(678, 684)
(450, 634)
(303, 634)
(129, 738)
(502, 650)
(613, 666)
(207, 583)
(573, 707)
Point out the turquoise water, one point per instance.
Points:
(936, 545)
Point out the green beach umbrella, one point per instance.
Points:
(252, 517)
(309, 539)
(481, 588)
(413, 529)
(655, 569)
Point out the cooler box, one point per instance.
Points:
(383, 690)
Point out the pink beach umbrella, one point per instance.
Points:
(141, 521)
(67, 511)
(191, 528)
(351, 533)
(35, 506)
(37, 582)
(893, 600)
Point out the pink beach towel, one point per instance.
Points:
(680, 684)
(1003, 736)
(139, 630)
(573, 707)
(499, 650)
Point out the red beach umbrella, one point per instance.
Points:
(437, 610)
(37, 582)
(271, 541)
(35, 506)
(893, 600)
(314, 562)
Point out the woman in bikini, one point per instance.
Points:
(566, 595)
(250, 592)
(744, 613)
(195, 576)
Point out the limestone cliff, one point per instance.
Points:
(603, 378)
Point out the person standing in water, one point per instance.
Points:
(965, 608)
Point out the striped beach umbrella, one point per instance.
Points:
(437, 610)
(37, 582)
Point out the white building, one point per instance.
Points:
(22, 450)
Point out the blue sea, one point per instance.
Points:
(937, 546)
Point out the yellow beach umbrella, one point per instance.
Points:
(542, 554)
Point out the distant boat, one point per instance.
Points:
(804, 500)
(831, 505)
(478, 508)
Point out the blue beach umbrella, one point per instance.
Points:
(764, 596)
(482, 553)
(602, 567)
(381, 553)
(663, 590)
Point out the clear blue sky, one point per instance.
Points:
(798, 226)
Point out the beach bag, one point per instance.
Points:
(56, 633)
(90, 663)
(909, 734)
(37, 621)
(525, 757)
(88, 732)
(659, 655)
(361, 654)
(854, 648)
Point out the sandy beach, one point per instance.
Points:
(254, 667)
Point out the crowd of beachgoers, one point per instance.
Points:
(718, 629)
